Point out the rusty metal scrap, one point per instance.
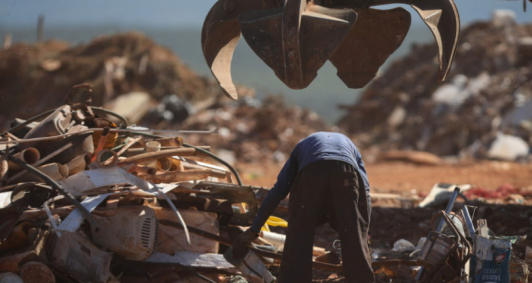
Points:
(296, 37)
(109, 179)
(147, 202)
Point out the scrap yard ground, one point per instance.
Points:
(403, 177)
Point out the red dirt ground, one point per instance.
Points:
(404, 177)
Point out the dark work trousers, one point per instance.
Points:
(327, 191)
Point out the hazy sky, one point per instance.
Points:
(178, 13)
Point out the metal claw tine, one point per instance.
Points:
(296, 40)
(220, 35)
(375, 36)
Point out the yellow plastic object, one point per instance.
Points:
(276, 222)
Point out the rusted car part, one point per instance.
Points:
(78, 257)
(74, 219)
(296, 37)
(132, 232)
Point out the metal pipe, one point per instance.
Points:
(164, 164)
(214, 172)
(178, 176)
(140, 150)
(29, 155)
(133, 132)
(448, 209)
(219, 160)
(42, 161)
(468, 221)
(159, 154)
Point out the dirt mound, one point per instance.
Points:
(487, 93)
(37, 77)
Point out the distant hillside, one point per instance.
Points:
(37, 77)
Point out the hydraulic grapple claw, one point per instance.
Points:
(296, 37)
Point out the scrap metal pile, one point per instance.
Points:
(86, 200)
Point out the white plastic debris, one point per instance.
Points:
(402, 246)
(503, 18)
(507, 147)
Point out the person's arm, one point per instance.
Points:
(279, 191)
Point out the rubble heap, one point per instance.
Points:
(486, 97)
(255, 130)
(86, 200)
(36, 77)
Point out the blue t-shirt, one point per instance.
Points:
(316, 147)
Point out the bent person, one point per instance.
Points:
(327, 182)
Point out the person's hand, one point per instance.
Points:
(242, 242)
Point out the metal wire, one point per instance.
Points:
(124, 124)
